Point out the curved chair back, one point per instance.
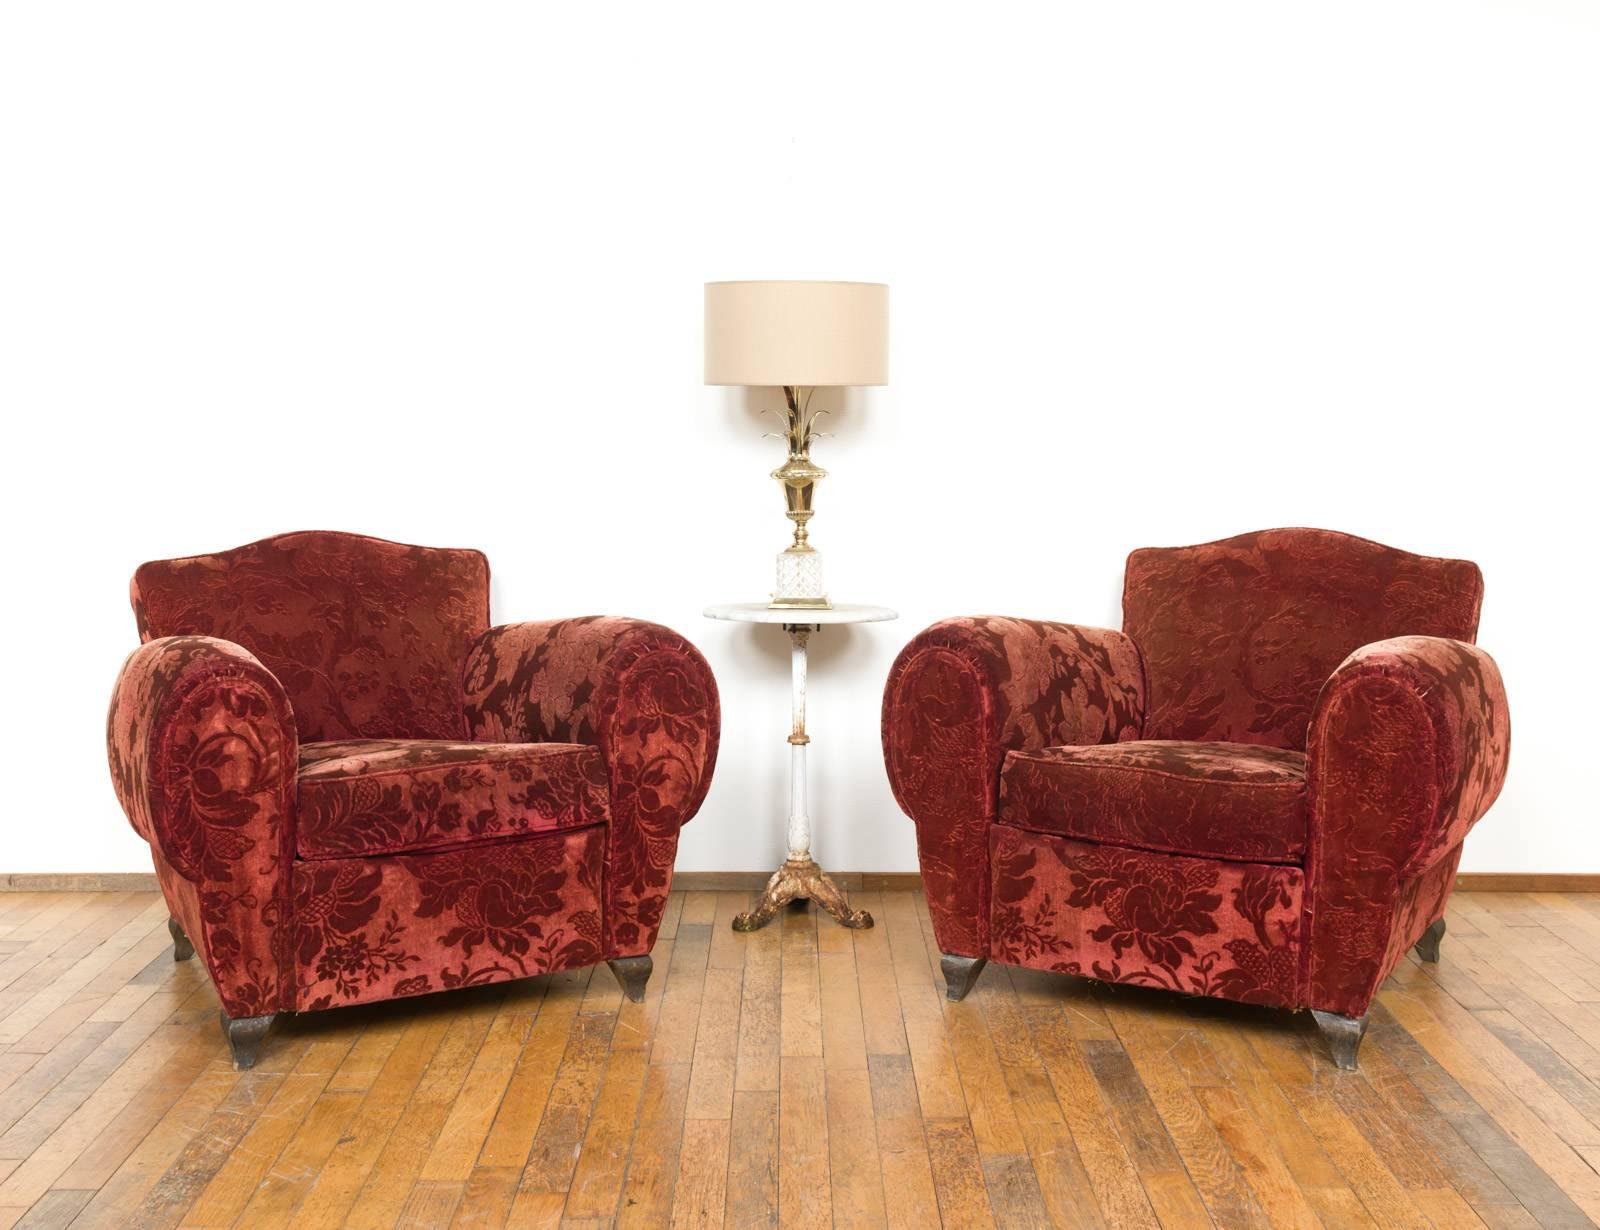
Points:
(368, 637)
(1238, 636)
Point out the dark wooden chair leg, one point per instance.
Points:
(1428, 946)
(960, 974)
(182, 948)
(244, 1036)
(1343, 1034)
(632, 973)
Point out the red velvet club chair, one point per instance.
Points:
(1257, 791)
(355, 789)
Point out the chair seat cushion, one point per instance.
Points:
(1232, 801)
(367, 797)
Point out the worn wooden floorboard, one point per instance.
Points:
(802, 1075)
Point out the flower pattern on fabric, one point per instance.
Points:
(1191, 925)
(1235, 801)
(381, 928)
(1409, 747)
(1035, 932)
(1239, 636)
(202, 751)
(376, 797)
(647, 699)
(1134, 837)
(332, 907)
(962, 694)
(1154, 905)
(438, 863)
(367, 637)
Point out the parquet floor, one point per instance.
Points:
(803, 1075)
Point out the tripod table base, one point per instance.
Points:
(800, 879)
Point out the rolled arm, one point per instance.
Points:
(202, 747)
(960, 696)
(1407, 749)
(1408, 746)
(647, 699)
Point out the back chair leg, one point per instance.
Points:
(182, 947)
(1344, 1034)
(632, 973)
(1428, 946)
(960, 974)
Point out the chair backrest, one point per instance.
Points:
(368, 637)
(1239, 636)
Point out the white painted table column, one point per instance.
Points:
(799, 820)
(799, 879)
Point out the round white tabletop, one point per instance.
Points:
(838, 613)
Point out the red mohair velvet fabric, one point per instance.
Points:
(1304, 709)
(529, 829)
(1409, 747)
(646, 698)
(202, 750)
(1200, 926)
(382, 928)
(384, 797)
(367, 637)
(1239, 636)
(1221, 800)
(959, 697)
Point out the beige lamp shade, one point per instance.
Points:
(797, 333)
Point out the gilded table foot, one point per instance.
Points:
(800, 879)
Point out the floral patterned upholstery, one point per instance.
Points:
(959, 697)
(1234, 801)
(646, 698)
(383, 928)
(354, 789)
(1409, 746)
(1258, 790)
(370, 796)
(1200, 926)
(202, 748)
(1239, 636)
(367, 637)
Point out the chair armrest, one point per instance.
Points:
(647, 699)
(203, 752)
(1408, 747)
(960, 696)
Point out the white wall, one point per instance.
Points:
(1161, 273)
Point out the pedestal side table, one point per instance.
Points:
(799, 879)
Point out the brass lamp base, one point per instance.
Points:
(800, 879)
(799, 564)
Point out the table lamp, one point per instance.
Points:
(798, 336)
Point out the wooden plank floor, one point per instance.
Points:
(804, 1075)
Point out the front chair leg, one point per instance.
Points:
(1344, 1034)
(632, 973)
(960, 974)
(244, 1036)
(182, 946)
(1428, 946)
